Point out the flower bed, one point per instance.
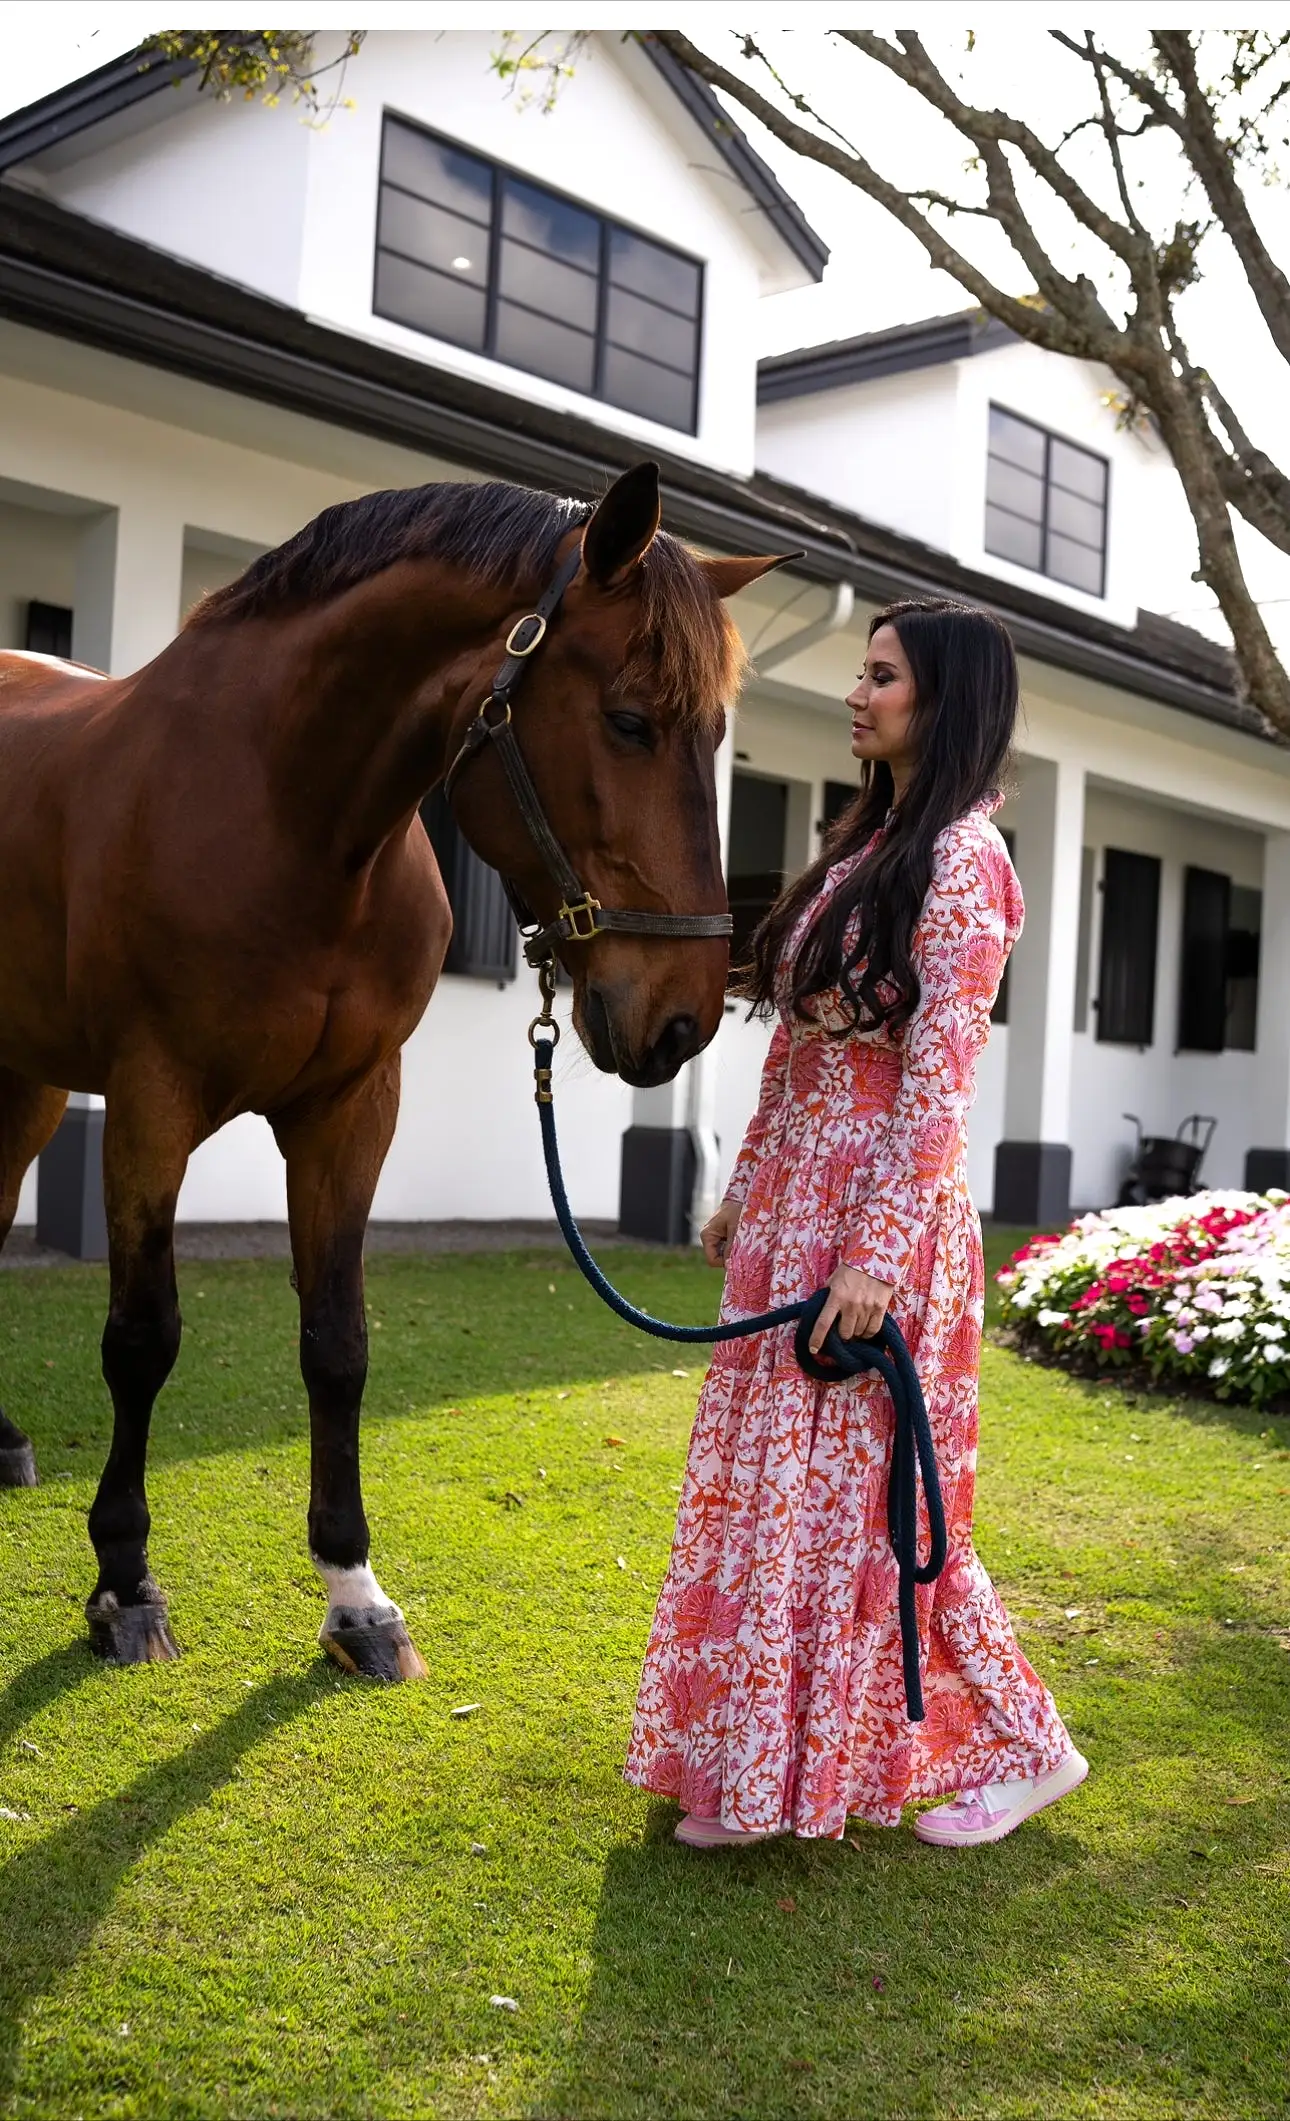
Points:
(1194, 1292)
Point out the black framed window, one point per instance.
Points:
(484, 934)
(470, 252)
(1218, 984)
(1126, 987)
(48, 630)
(1046, 503)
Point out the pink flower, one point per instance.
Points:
(1183, 1342)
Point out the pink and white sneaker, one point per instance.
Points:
(975, 1816)
(710, 1834)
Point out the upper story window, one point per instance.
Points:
(1045, 503)
(469, 252)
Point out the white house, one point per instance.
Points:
(215, 321)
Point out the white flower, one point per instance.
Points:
(1230, 1329)
(1220, 1366)
(1052, 1318)
(1274, 1354)
(1270, 1332)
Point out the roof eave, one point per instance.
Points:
(322, 376)
(86, 102)
(782, 212)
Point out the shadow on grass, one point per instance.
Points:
(55, 1892)
(1122, 1955)
(34, 1688)
(475, 1326)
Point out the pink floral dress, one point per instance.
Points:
(772, 1695)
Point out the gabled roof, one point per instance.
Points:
(62, 273)
(925, 344)
(124, 83)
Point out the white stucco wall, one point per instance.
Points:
(259, 197)
(221, 183)
(889, 449)
(910, 451)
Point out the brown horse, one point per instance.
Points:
(218, 898)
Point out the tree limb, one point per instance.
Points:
(1213, 162)
(1038, 325)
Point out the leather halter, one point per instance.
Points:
(581, 917)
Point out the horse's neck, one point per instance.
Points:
(383, 682)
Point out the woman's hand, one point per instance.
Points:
(717, 1234)
(857, 1302)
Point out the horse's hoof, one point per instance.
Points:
(372, 1642)
(18, 1466)
(130, 1634)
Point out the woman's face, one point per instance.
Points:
(882, 706)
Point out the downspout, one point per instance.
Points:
(835, 618)
(701, 1116)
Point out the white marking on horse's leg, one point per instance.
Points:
(353, 1589)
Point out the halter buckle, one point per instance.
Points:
(584, 908)
(531, 618)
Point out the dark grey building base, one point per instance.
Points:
(1266, 1169)
(657, 1184)
(1032, 1183)
(69, 1188)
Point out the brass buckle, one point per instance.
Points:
(531, 618)
(586, 908)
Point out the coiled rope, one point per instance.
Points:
(912, 1454)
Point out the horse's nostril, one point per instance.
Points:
(678, 1042)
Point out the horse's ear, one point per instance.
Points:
(623, 526)
(729, 576)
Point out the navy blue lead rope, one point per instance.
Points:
(911, 1448)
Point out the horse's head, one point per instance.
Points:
(618, 719)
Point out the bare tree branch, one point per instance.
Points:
(1218, 467)
(1213, 162)
(1029, 322)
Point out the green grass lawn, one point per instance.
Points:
(242, 1886)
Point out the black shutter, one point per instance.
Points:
(754, 854)
(49, 629)
(1126, 1001)
(838, 796)
(1202, 986)
(483, 927)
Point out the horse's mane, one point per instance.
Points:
(686, 649)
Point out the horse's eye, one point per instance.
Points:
(637, 728)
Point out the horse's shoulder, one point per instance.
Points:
(27, 677)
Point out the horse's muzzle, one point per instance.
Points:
(680, 1039)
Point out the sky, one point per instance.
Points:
(877, 274)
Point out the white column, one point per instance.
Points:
(129, 576)
(1032, 1163)
(688, 1103)
(1268, 1158)
(703, 1071)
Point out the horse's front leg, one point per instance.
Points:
(334, 1156)
(148, 1134)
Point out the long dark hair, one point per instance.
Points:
(965, 692)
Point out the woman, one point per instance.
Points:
(772, 1699)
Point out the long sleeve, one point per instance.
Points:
(774, 1076)
(970, 917)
